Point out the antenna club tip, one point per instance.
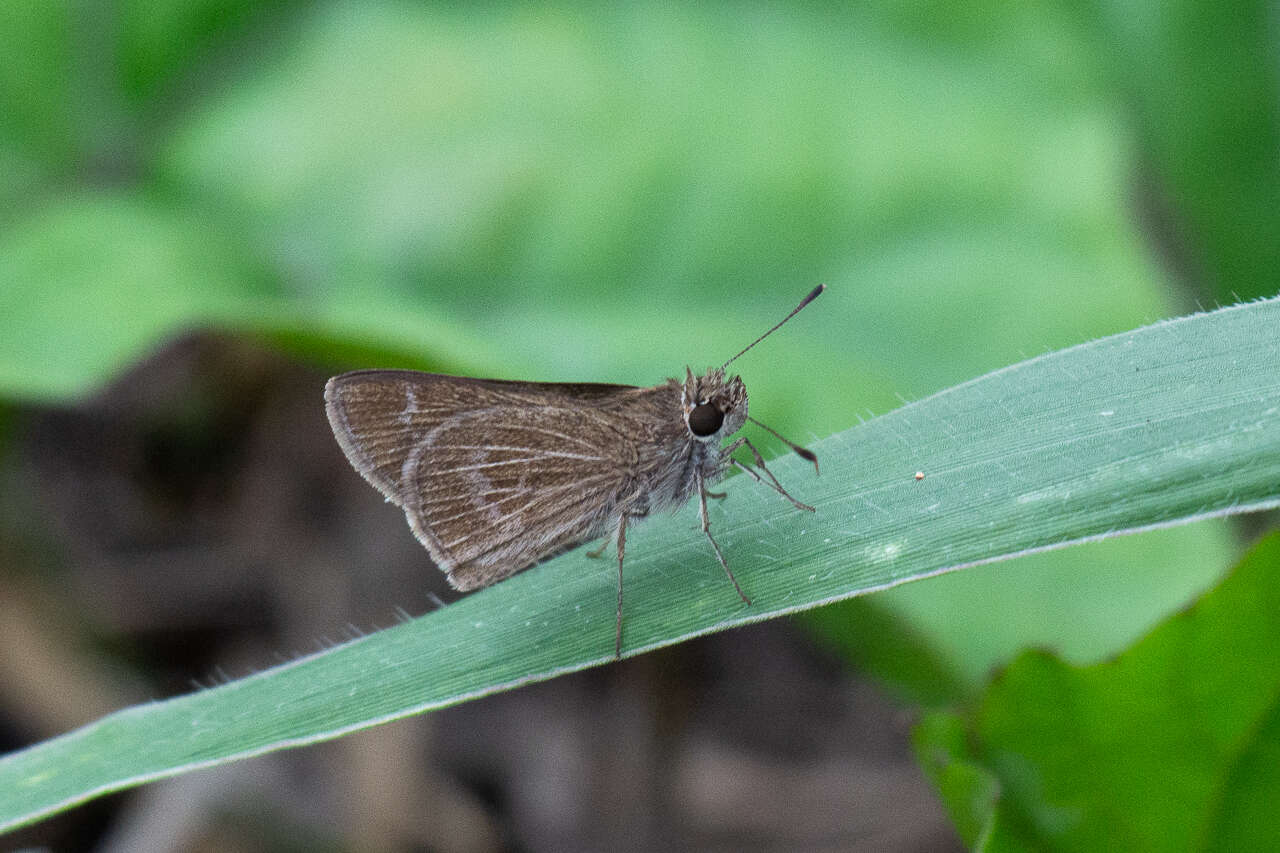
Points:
(812, 295)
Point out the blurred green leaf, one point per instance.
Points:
(1201, 82)
(1155, 427)
(1243, 815)
(166, 47)
(1085, 604)
(95, 283)
(969, 791)
(38, 137)
(1172, 746)
(880, 641)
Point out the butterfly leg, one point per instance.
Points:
(622, 546)
(771, 482)
(706, 528)
(595, 555)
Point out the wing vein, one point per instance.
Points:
(541, 496)
(539, 452)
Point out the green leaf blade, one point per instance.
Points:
(1158, 426)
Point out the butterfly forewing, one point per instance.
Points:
(493, 476)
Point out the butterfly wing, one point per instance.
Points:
(493, 476)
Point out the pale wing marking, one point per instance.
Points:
(492, 490)
(485, 506)
(539, 497)
(572, 439)
(479, 465)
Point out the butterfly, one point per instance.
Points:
(496, 476)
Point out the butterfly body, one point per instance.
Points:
(495, 476)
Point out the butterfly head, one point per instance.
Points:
(714, 406)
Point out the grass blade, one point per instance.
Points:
(1160, 426)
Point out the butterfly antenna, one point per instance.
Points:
(803, 302)
(802, 452)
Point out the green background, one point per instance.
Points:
(577, 192)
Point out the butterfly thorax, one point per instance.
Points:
(694, 417)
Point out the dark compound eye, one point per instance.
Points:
(705, 419)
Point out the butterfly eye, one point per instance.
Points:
(705, 419)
